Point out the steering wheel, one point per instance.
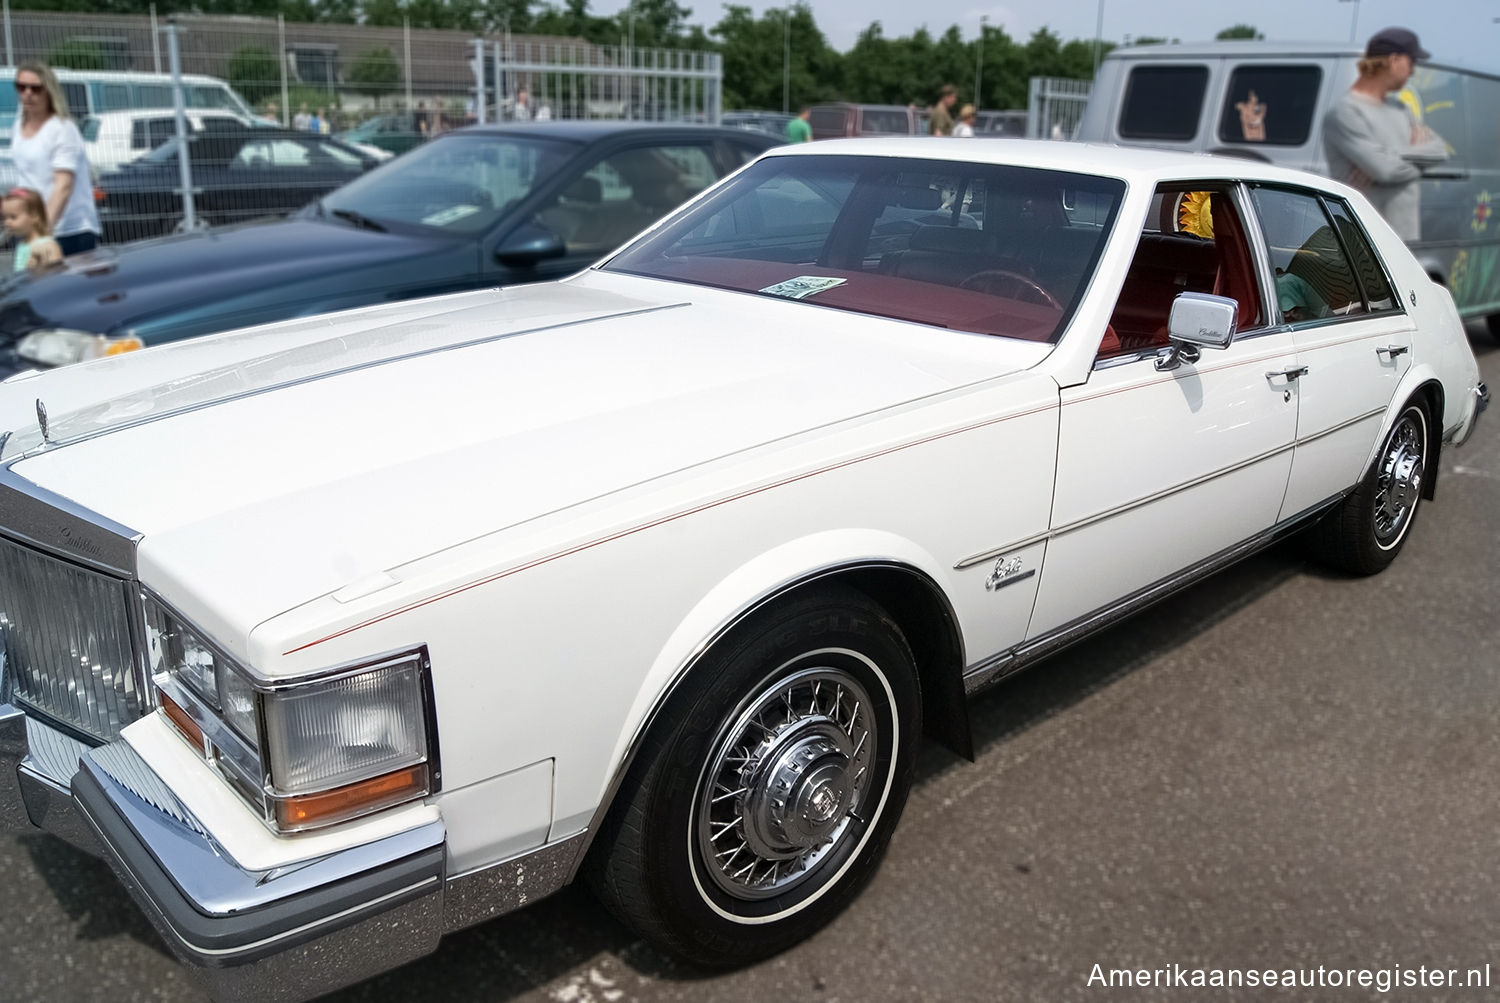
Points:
(995, 280)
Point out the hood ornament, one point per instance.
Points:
(41, 418)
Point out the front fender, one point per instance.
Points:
(749, 587)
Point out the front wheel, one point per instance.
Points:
(1493, 323)
(765, 797)
(1366, 531)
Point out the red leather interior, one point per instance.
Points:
(1236, 275)
(1166, 264)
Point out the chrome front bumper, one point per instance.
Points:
(36, 767)
(298, 931)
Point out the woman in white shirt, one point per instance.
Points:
(964, 129)
(50, 158)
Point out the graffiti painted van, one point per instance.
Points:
(1266, 100)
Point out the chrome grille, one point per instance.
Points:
(66, 632)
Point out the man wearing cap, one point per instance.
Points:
(1373, 141)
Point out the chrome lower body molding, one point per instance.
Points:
(982, 675)
(299, 931)
(34, 780)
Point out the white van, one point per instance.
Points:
(1197, 97)
(90, 92)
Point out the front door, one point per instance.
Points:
(1161, 469)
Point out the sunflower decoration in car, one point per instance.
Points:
(1195, 214)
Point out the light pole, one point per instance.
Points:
(786, 60)
(979, 60)
(1098, 38)
(1354, 21)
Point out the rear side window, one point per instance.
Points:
(1314, 279)
(1270, 105)
(1372, 278)
(885, 121)
(829, 120)
(1163, 102)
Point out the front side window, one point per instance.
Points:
(624, 193)
(982, 248)
(1313, 278)
(1163, 102)
(1193, 241)
(1270, 105)
(460, 183)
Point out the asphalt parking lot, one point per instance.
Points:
(1278, 769)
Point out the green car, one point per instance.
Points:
(396, 133)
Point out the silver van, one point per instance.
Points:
(1198, 97)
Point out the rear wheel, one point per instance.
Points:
(765, 797)
(1367, 530)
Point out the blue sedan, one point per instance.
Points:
(483, 206)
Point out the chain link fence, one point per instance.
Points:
(1055, 107)
(276, 114)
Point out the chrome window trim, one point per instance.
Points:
(1321, 199)
(1390, 280)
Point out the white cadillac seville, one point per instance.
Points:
(340, 634)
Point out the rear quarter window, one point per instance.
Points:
(1270, 105)
(1163, 102)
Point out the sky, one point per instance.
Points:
(1465, 32)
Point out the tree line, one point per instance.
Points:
(877, 69)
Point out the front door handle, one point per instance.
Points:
(1393, 350)
(1290, 373)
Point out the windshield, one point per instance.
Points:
(461, 183)
(986, 248)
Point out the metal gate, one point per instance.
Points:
(524, 78)
(1055, 107)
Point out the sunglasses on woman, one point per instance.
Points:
(29, 88)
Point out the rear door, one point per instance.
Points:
(1351, 333)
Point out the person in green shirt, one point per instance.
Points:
(798, 130)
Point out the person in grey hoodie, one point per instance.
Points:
(1372, 139)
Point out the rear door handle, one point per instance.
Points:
(1290, 373)
(1393, 350)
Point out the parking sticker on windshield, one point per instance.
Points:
(452, 214)
(802, 286)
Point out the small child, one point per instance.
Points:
(26, 220)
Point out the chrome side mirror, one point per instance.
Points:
(1198, 321)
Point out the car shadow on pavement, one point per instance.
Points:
(85, 888)
(516, 954)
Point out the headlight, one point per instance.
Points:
(305, 754)
(63, 348)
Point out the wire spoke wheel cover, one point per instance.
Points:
(764, 798)
(1399, 478)
(787, 782)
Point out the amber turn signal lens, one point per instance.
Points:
(123, 345)
(179, 717)
(327, 807)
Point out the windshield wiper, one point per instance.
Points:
(358, 219)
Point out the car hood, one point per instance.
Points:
(110, 291)
(269, 467)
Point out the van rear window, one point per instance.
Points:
(1270, 105)
(829, 120)
(1163, 102)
